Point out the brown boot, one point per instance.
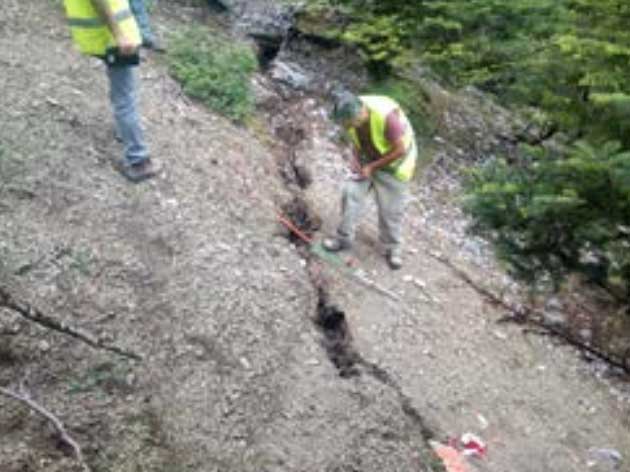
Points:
(138, 172)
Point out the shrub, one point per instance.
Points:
(216, 71)
(550, 216)
(378, 41)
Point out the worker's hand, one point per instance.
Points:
(367, 171)
(126, 46)
(355, 165)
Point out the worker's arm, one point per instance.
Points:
(397, 151)
(125, 45)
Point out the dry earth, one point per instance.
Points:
(192, 271)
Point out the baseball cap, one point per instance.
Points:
(347, 106)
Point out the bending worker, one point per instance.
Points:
(384, 161)
(107, 29)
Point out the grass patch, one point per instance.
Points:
(215, 70)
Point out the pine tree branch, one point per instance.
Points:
(527, 315)
(25, 398)
(34, 315)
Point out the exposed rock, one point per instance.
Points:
(290, 74)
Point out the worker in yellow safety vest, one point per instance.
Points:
(108, 30)
(384, 161)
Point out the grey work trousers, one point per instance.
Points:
(391, 198)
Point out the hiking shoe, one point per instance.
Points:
(138, 172)
(394, 259)
(335, 244)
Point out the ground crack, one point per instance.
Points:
(331, 321)
(337, 342)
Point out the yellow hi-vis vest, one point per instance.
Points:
(91, 33)
(380, 107)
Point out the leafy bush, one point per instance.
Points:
(216, 71)
(551, 216)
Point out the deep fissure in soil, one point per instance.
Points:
(337, 342)
(330, 319)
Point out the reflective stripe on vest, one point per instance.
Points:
(380, 107)
(91, 33)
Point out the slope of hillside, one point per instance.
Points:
(192, 271)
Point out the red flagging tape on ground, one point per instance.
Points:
(294, 229)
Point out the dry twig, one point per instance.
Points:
(25, 398)
(527, 315)
(33, 314)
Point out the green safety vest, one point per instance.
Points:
(380, 107)
(90, 32)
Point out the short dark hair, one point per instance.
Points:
(347, 106)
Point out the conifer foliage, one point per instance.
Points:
(569, 212)
(550, 216)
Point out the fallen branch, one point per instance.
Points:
(522, 314)
(33, 314)
(360, 277)
(64, 437)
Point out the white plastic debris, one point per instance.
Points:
(611, 456)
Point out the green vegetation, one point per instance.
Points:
(216, 71)
(569, 59)
(564, 62)
(550, 217)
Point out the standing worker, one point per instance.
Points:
(384, 160)
(108, 30)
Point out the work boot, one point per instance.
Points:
(152, 43)
(394, 259)
(138, 172)
(336, 244)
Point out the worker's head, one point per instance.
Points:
(349, 110)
